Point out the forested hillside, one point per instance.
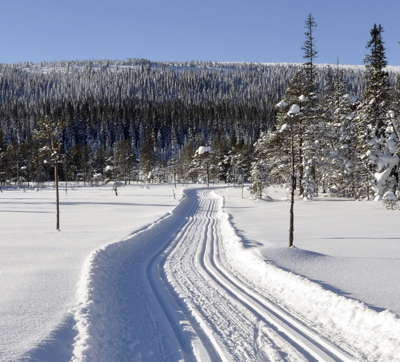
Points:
(139, 115)
(103, 102)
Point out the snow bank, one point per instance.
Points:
(109, 299)
(349, 323)
(40, 267)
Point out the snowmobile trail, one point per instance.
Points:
(239, 322)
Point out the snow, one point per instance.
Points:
(40, 267)
(352, 99)
(389, 195)
(392, 143)
(282, 104)
(385, 163)
(82, 294)
(285, 127)
(203, 149)
(340, 274)
(294, 109)
(350, 247)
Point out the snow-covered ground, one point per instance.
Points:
(350, 247)
(104, 289)
(40, 267)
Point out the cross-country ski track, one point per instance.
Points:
(174, 292)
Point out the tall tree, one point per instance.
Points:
(148, 156)
(310, 52)
(301, 92)
(260, 172)
(125, 160)
(376, 131)
(339, 150)
(49, 134)
(202, 161)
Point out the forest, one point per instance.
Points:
(140, 120)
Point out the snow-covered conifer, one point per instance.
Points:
(375, 125)
(260, 171)
(338, 154)
(201, 163)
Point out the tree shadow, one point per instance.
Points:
(322, 283)
(58, 346)
(247, 243)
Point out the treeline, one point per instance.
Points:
(137, 119)
(104, 103)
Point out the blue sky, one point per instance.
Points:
(180, 30)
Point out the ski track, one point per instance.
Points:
(246, 325)
(172, 292)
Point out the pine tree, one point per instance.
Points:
(148, 156)
(184, 169)
(310, 53)
(338, 171)
(125, 160)
(201, 163)
(49, 133)
(302, 92)
(2, 158)
(376, 134)
(260, 171)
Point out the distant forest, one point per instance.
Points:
(102, 103)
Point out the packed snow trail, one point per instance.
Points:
(118, 317)
(242, 325)
(181, 290)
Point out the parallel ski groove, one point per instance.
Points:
(232, 321)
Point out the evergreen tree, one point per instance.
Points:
(125, 160)
(376, 134)
(148, 156)
(184, 169)
(2, 158)
(310, 53)
(302, 92)
(260, 172)
(49, 134)
(340, 169)
(201, 163)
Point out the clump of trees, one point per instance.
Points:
(341, 142)
(338, 142)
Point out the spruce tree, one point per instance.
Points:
(260, 171)
(49, 134)
(376, 133)
(339, 149)
(148, 156)
(302, 92)
(310, 53)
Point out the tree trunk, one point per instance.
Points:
(208, 174)
(301, 162)
(291, 226)
(57, 197)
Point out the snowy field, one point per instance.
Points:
(349, 247)
(40, 267)
(94, 290)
